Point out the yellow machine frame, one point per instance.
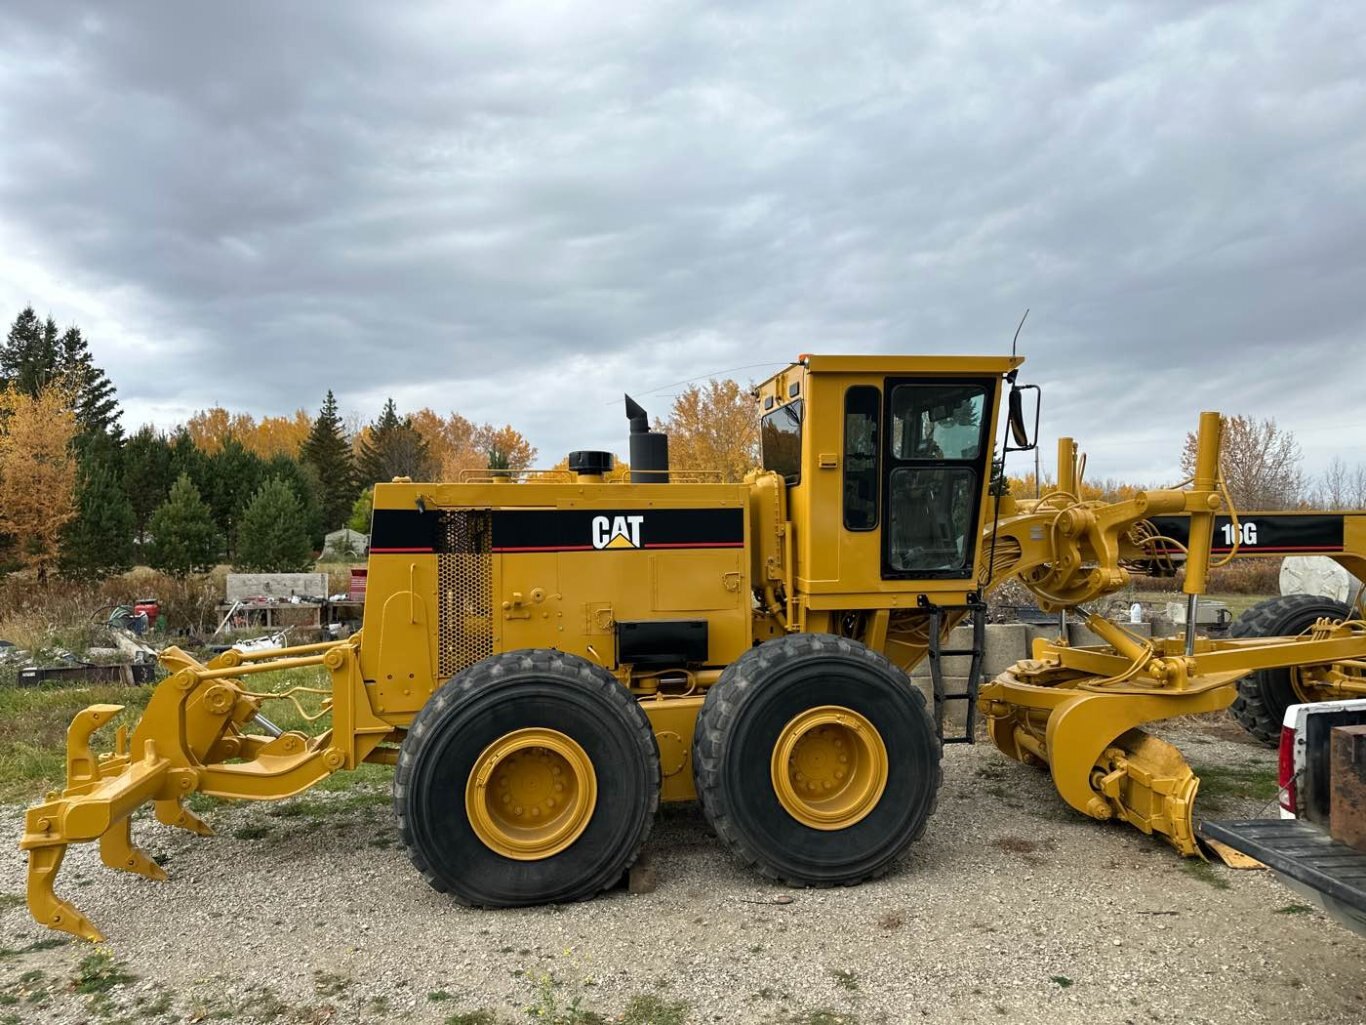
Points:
(459, 572)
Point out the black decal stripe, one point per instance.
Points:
(403, 532)
(1277, 533)
(571, 530)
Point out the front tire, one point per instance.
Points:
(816, 761)
(531, 778)
(1264, 696)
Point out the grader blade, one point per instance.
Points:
(1101, 763)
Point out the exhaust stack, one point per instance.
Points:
(649, 449)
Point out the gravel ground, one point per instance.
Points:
(1011, 909)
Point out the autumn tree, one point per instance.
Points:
(183, 537)
(37, 472)
(210, 429)
(505, 445)
(452, 442)
(1260, 463)
(457, 444)
(279, 435)
(714, 427)
(272, 537)
(328, 452)
(392, 447)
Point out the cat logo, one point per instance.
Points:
(616, 531)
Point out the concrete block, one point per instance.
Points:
(1006, 644)
(276, 585)
(1079, 635)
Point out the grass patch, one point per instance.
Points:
(1062, 981)
(554, 1007)
(481, 1016)
(353, 795)
(9, 901)
(254, 832)
(845, 979)
(1295, 909)
(1220, 784)
(33, 723)
(100, 972)
(651, 1009)
(1205, 872)
(36, 945)
(330, 984)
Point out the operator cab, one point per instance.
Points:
(892, 487)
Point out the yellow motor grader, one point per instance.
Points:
(545, 657)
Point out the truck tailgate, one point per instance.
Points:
(1301, 851)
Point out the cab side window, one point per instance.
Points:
(862, 410)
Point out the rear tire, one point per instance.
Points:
(761, 705)
(446, 786)
(1264, 696)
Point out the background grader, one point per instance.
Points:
(543, 661)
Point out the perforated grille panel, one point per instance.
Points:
(465, 572)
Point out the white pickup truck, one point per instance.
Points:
(1298, 846)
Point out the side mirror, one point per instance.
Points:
(1023, 438)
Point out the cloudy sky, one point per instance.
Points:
(520, 210)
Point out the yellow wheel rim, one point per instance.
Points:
(531, 793)
(829, 767)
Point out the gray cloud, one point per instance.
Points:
(520, 211)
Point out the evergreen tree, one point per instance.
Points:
(187, 458)
(99, 541)
(28, 359)
(302, 479)
(184, 540)
(393, 447)
(147, 475)
(272, 537)
(234, 475)
(97, 411)
(329, 454)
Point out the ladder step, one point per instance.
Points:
(955, 651)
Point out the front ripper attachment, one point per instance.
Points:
(96, 803)
(191, 738)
